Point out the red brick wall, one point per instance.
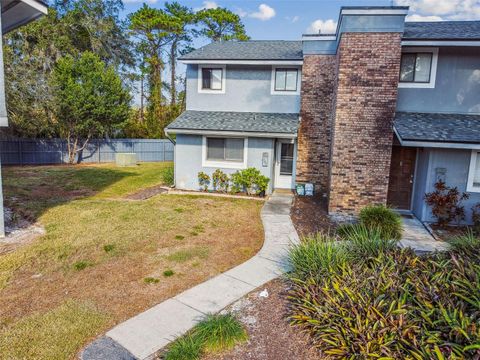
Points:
(368, 68)
(314, 134)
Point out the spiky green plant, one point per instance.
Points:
(220, 332)
(364, 242)
(215, 333)
(394, 306)
(466, 243)
(188, 347)
(380, 217)
(317, 255)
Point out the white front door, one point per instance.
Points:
(284, 164)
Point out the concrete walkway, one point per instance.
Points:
(141, 336)
(416, 236)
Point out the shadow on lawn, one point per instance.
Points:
(30, 191)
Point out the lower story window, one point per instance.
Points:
(474, 172)
(225, 149)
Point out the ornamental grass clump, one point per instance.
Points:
(317, 255)
(385, 220)
(364, 242)
(395, 305)
(214, 334)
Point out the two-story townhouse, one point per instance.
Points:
(375, 113)
(14, 13)
(242, 109)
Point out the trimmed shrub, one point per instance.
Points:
(249, 180)
(387, 221)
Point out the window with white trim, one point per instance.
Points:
(416, 67)
(212, 78)
(286, 79)
(473, 184)
(225, 149)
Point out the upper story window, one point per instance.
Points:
(418, 67)
(285, 81)
(211, 79)
(473, 183)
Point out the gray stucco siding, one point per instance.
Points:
(429, 167)
(247, 89)
(188, 160)
(457, 85)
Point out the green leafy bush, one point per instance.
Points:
(387, 221)
(215, 333)
(249, 180)
(203, 180)
(220, 181)
(317, 256)
(394, 305)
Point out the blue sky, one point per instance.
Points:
(289, 19)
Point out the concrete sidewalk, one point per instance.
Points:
(141, 336)
(416, 237)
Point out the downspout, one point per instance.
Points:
(174, 157)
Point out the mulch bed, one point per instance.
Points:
(309, 215)
(270, 335)
(147, 193)
(448, 232)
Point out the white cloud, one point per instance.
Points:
(240, 12)
(416, 17)
(446, 9)
(264, 12)
(206, 5)
(322, 27)
(293, 19)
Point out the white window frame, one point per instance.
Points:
(471, 172)
(224, 77)
(224, 164)
(433, 68)
(299, 80)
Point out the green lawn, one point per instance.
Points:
(105, 258)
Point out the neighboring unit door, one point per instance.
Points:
(402, 172)
(284, 165)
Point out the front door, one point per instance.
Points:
(284, 164)
(402, 170)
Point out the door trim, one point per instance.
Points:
(277, 162)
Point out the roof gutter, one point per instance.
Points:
(440, 42)
(243, 62)
(231, 133)
(435, 144)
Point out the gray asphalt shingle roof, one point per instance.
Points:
(236, 121)
(449, 128)
(248, 50)
(442, 30)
